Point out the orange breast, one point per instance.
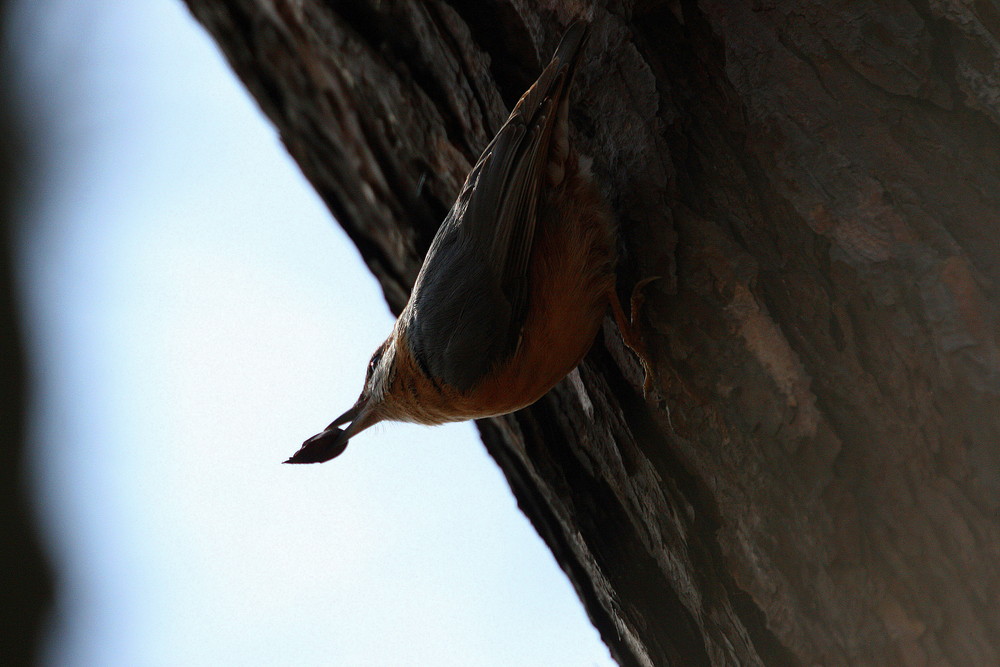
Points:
(572, 272)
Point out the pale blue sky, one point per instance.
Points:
(194, 314)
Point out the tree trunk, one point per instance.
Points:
(26, 578)
(816, 184)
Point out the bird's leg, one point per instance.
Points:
(629, 328)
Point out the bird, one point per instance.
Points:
(514, 287)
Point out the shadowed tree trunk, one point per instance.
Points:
(26, 580)
(818, 479)
(25, 575)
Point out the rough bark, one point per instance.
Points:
(817, 185)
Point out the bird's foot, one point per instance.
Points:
(632, 333)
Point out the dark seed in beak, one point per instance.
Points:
(324, 446)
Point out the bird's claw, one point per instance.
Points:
(631, 332)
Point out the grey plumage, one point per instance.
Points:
(485, 242)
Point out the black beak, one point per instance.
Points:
(347, 416)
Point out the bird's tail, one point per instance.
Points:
(555, 80)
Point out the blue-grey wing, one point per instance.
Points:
(458, 315)
(471, 296)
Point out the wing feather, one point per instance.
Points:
(471, 297)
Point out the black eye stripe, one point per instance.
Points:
(374, 361)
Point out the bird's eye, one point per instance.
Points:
(374, 362)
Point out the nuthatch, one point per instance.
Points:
(514, 287)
